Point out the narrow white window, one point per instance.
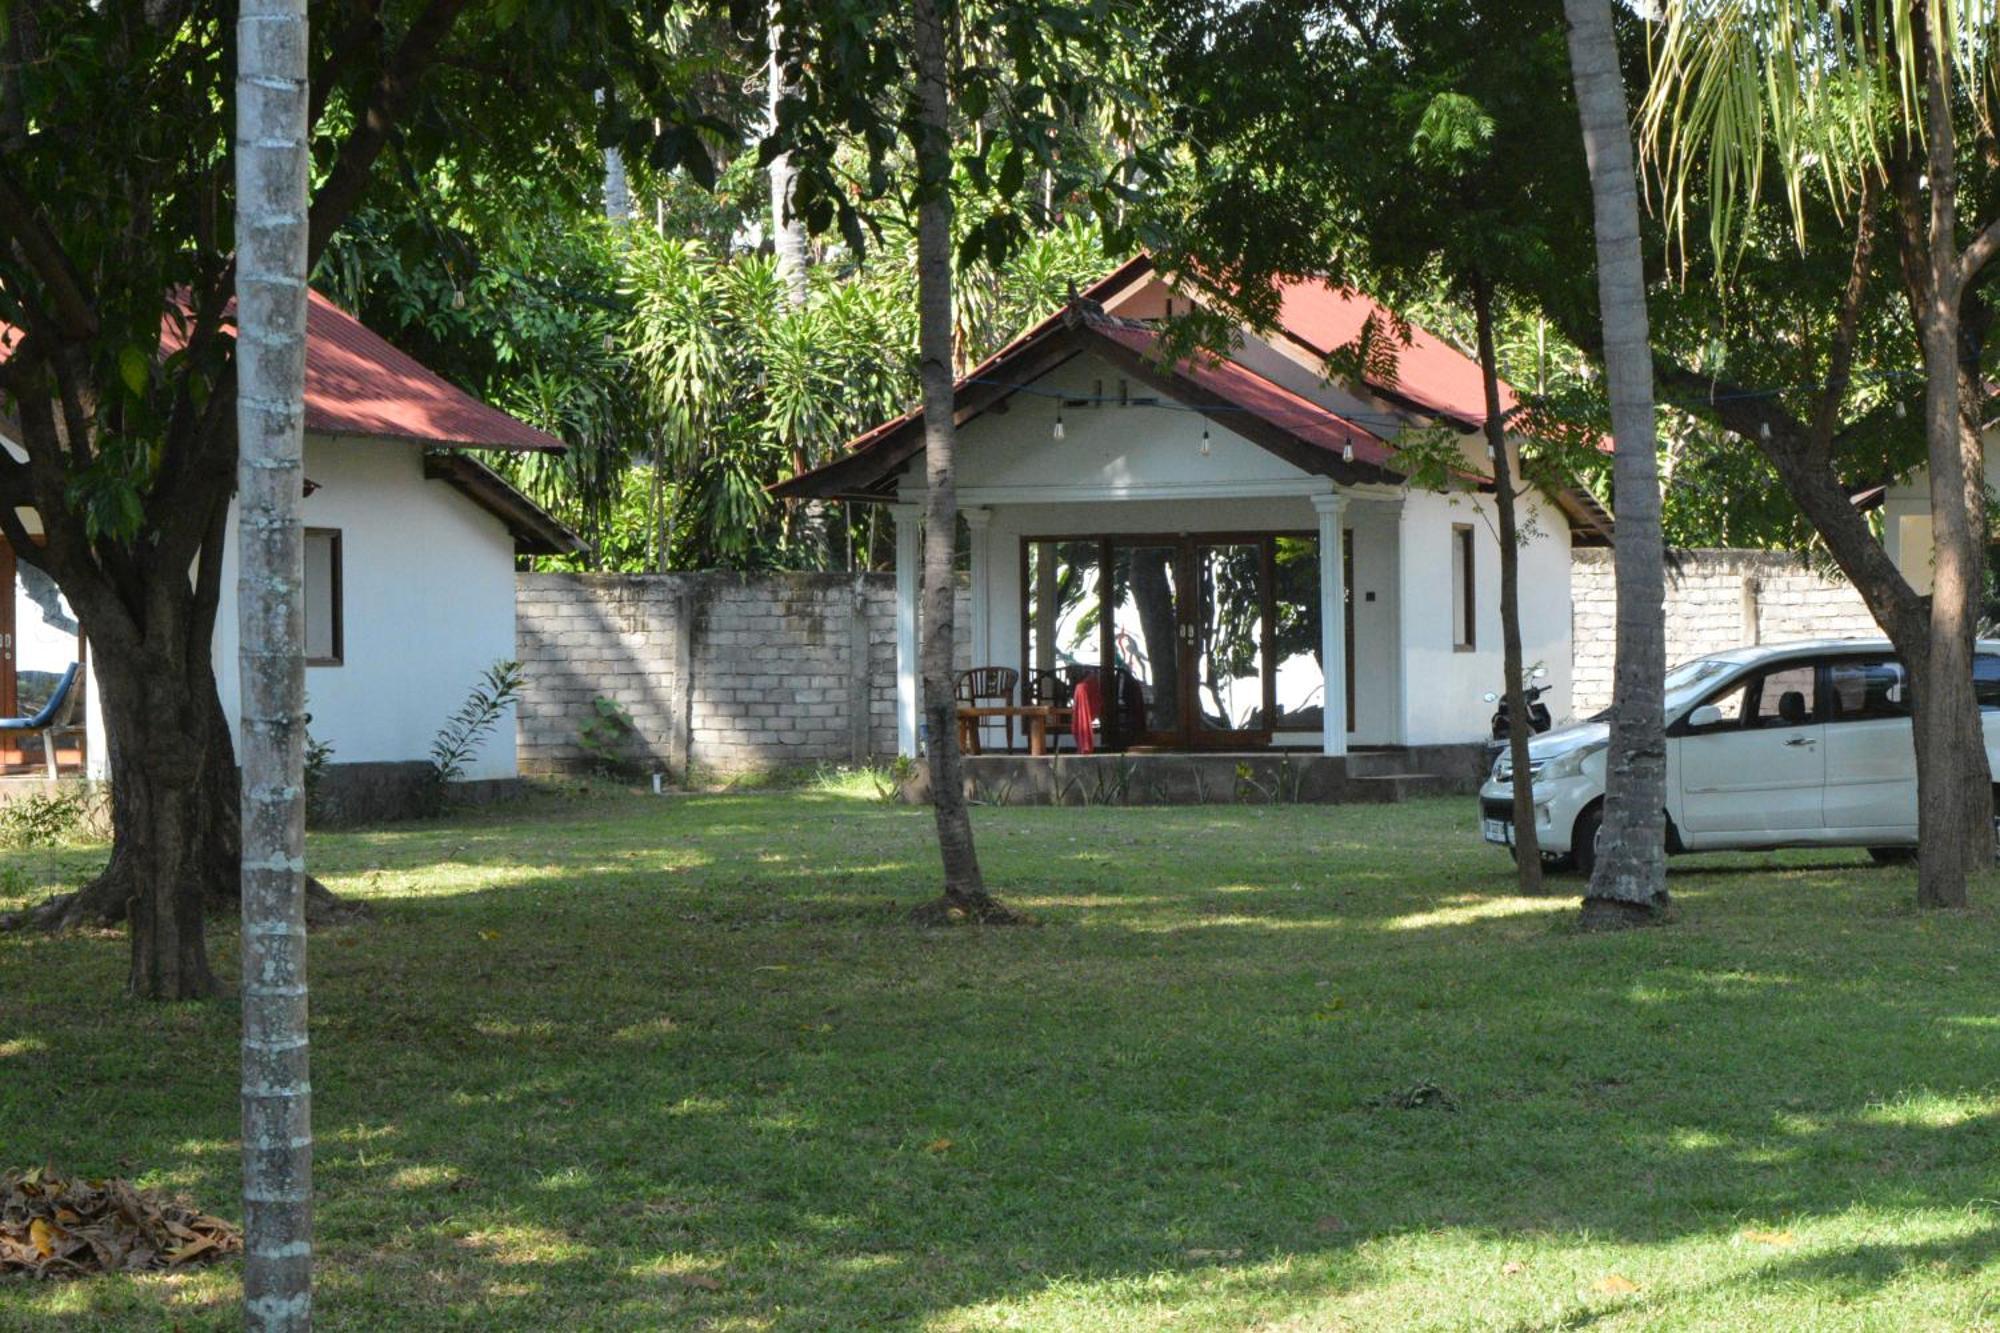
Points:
(1464, 607)
(323, 595)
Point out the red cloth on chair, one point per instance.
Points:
(1084, 702)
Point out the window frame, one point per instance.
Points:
(1831, 708)
(336, 597)
(1465, 630)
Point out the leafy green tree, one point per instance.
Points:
(1393, 151)
(997, 94)
(1880, 118)
(130, 438)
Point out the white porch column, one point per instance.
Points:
(1332, 621)
(908, 558)
(977, 523)
(979, 543)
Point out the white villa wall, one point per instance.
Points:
(1443, 683)
(427, 587)
(1906, 517)
(1141, 469)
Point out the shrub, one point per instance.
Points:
(603, 737)
(459, 739)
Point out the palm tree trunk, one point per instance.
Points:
(965, 895)
(788, 230)
(1527, 842)
(271, 172)
(1629, 884)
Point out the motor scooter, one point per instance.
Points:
(1539, 720)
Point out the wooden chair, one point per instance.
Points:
(992, 686)
(1050, 689)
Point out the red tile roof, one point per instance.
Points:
(1430, 372)
(357, 384)
(1247, 391)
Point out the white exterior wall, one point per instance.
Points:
(1444, 684)
(1906, 517)
(1139, 469)
(427, 591)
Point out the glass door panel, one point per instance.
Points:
(1229, 649)
(1301, 676)
(1060, 582)
(10, 753)
(44, 641)
(1146, 613)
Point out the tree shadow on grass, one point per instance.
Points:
(603, 1095)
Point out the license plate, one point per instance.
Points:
(1497, 830)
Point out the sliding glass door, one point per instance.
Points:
(1213, 639)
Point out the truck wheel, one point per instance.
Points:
(1583, 843)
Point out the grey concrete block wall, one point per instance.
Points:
(1721, 599)
(723, 673)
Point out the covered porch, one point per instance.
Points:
(1209, 622)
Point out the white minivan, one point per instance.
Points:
(1781, 745)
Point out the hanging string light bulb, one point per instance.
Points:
(1058, 431)
(1204, 439)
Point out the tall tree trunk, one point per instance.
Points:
(1954, 786)
(1629, 884)
(964, 889)
(272, 165)
(1527, 840)
(788, 230)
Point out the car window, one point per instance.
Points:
(1785, 698)
(1863, 689)
(1730, 704)
(1986, 680)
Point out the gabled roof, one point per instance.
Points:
(1431, 374)
(1433, 378)
(357, 384)
(1305, 434)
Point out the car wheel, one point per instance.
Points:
(1893, 856)
(1583, 845)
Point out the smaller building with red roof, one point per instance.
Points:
(412, 539)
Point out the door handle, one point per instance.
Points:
(1801, 740)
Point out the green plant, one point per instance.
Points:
(461, 736)
(46, 819)
(318, 754)
(603, 737)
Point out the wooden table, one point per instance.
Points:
(1036, 717)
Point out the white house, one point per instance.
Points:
(1906, 517)
(1230, 533)
(410, 552)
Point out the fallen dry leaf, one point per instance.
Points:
(57, 1227)
(1616, 1284)
(702, 1281)
(1512, 1267)
(1215, 1254)
(1780, 1238)
(938, 1145)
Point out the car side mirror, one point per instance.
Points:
(1490, 696)
(1708, 715)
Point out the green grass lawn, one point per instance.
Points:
(632, 1063)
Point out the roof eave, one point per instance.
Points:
(535, 530)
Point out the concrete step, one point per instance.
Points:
(1394, 788)
(1380, 763)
